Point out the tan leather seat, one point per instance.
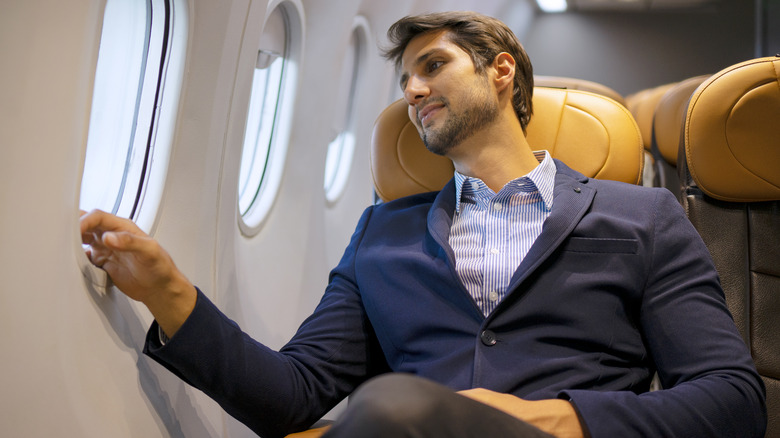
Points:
(667, 126)
(591, 133)
(578, 84)
(642, 106)
(730, 170)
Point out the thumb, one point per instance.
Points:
(118, 240)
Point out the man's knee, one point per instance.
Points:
(405, 406)
(397, 405)
(400, 398)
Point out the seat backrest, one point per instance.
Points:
(642, 105)
(666, 131)
(578, 84)
(730, 170)
(591, 133)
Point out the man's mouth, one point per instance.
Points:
(427, 112)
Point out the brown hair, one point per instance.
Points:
(482, 37)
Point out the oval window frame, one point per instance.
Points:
(338, 168)
(155, 114)
(251, 221)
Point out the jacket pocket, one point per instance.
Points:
(601, 245)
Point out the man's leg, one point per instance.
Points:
(405, 406)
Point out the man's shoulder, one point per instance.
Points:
(619, 187)
(400, 216)
(420, 201)
(565, 174)
(634, 198)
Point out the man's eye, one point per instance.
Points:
(435, 65)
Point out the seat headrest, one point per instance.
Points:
(732, 142)
(669, 117)
(578, 84)
(591, 133)
(643, 106)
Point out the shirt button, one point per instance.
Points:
(497, 206)
(488, 338)
(493, 296)
(475, 186)
(494, 250)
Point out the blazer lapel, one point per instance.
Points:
(572, 197)
(439, 225)
(440, 217)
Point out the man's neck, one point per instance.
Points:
(496, 155)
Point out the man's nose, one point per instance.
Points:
(415, 90)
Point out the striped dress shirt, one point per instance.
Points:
(492, 232)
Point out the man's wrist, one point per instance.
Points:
(173, 306)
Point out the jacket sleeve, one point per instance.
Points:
(275, 393)
(711, 385)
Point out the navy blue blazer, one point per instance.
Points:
(617, 286)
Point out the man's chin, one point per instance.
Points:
(436, 147)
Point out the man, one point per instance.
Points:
(546, 298)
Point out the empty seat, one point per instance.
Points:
(667, 126)
(642, 105)
(730, 171)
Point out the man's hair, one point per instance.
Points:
(482, 37)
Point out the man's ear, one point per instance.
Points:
(504, 65)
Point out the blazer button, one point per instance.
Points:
(488, 338)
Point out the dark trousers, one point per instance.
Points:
(405, 406)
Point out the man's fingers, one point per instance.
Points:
(98, 220)
(124, 241)
(89, 222)
(113, 241)
(108, 236)
(88, 238)
(101, 228)
(88, 253)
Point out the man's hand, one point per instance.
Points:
(556, 417)
(139, 267)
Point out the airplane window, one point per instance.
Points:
(131, 122)
(341, 149)
(268, 120)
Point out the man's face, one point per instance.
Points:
(448, 100)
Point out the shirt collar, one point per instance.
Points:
(542, 176)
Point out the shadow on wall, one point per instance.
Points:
(181, 418)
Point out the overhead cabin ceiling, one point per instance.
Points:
(637, 5)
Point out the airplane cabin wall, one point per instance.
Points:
(71, 365)
(634, 51)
